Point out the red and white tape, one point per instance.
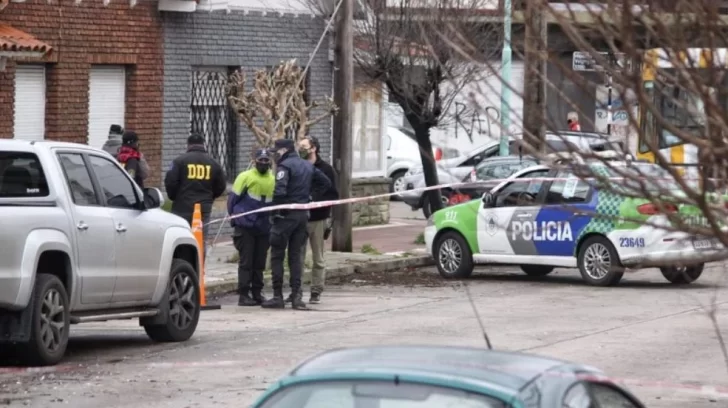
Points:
(331, 203)
(720, 391)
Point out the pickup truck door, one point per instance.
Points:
(138, 239)
(93, 227)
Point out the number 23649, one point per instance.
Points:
(632, 242)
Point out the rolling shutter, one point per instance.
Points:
(106, 102)
(30, 102)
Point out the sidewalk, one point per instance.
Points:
(380, 248)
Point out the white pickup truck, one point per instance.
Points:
(81, 242)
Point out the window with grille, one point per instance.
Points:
(212, 116)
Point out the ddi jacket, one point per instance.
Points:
(251, 191)
(194, 177)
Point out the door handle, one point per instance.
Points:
(525, 215)
(120, 227)
(82, 226)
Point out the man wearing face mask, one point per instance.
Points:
(253, 189)
(296, 181)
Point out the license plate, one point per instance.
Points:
(709, 243)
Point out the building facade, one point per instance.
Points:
(103, 66)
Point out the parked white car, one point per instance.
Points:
(81, 242)
(403, 154)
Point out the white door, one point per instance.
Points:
(106, 101)
(138, 239)
(503, 231)
(94, 232)
(30, 102)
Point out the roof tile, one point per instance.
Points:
(14, 40)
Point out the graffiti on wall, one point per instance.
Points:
(470, 122)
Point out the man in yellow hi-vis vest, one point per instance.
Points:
(194, 177)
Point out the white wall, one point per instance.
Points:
(473, 118)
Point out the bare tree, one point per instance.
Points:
(400, 43)
(275, 105)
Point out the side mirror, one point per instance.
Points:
(153, 198)
(488, 199)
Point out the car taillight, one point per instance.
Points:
(652, 209)
(438, 154)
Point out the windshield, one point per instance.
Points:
(681, 106)
(376, 394)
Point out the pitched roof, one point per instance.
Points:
(14, 40)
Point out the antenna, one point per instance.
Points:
(477, 316)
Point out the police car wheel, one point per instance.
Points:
(452, 256)
(537, 270)
(599, 263)
(683, 274)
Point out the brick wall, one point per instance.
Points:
(85, 34)
(253, 41)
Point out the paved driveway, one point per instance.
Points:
(644, 330)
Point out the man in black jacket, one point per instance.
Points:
(296, 181)
(318, 228)
(194, 177)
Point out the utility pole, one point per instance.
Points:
(343, 90)
(505, 111)
(534, 101)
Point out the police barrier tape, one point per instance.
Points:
(720, 391)
(331, 203)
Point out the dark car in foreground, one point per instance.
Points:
(438, 376)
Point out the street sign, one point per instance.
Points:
(585, 61)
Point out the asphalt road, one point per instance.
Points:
(643, 331)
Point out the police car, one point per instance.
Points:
(552, 218)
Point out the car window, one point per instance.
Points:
(596, 395)
(78, 179)
(345, 394)
(115, 185)
(567, 189)
(21, 175)
(490, 152)
(609, 397)
(532, 187)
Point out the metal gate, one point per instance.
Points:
(212, 117)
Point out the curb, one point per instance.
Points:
(230, 286)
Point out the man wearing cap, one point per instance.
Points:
(194, 177)
(296, 181)
(318, 228)
(252, 189)
(131, 158)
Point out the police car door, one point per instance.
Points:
(568, 203)
(497, 240)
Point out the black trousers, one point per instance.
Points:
(288, 232)
(252, 245)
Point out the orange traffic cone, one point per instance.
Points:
(199, 237)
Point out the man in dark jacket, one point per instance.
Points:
(296, 181)
(194, 177)
(131, 158)
(318, 228)
(252, 190)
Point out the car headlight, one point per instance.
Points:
(414, 171)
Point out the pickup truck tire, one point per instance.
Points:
(181, 304)
(50, 323)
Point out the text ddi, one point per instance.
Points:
(198, 172)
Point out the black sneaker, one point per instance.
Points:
(289, 299)
(274, 303)
(297, 302)
(259, 299)
(246, 300)
(314, 299)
